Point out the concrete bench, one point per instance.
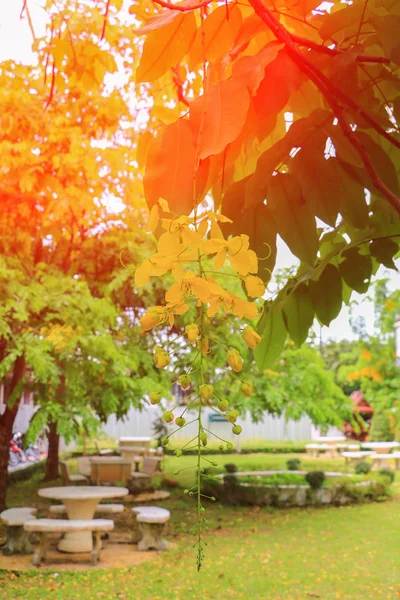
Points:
(14, 519)
(381, 461)
(315, 449)
(151, 521)
(355, 457)
(46, 526)
(113, 509)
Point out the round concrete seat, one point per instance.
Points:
(154, 515)
(152, 511)
(66, 525)
(14, 517)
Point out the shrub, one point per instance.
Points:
(380, 430)
(362, 468)
(315, 479)
(293, 464)
(230, 468)
(388, 473)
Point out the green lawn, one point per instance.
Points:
(256, 554)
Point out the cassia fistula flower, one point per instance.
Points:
(184, 381)
(251, 337)
(155, 397)
(234, 360)
(168, 416)
(247, 388)
(192, 332)
(206, 391)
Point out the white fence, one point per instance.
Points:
(140, 423)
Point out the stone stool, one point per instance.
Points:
(151, 521)
(14, 519)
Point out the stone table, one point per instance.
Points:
(81, 503)
(380, 447)
(332, 442)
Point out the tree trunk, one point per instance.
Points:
(6, 426)
(52, 456)
(53, 437)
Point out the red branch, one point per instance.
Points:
(103, 31)
(331, 93)
(333, 52)
(182, 7)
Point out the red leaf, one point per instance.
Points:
(219, 115)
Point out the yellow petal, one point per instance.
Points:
(142, 273)
(255, 286)
(220, 260)
(164, 205)
(169, 244)
(223, 219)
(215, 231)
(154, 218)
(212, 246)
(213, 308)
(200, 289)
(178, 272)
(181, 309)
(202, 228)
(190, 238)
(174, 294)
(244, 262)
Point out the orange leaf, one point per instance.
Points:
(216, 36)
(251, 68)
(220, 115)
(165, 47)
(170, 168)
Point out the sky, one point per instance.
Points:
(15, 43)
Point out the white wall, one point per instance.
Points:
(139, 423)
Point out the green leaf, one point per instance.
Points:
(319, 182)
(257, 222)
(381, 161)
(326, 294)
(356, 270)
(298, 314)
(273, 331)
(384, 250)
(295, 221)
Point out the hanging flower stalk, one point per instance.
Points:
(195, 251)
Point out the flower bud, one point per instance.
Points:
(150, 319)
(236, 429)
(180, 421)
(235, 361)
(232, 415)
(165, 441)
(205, 346)
(161, 358)
(221, 447)
(184, 381)
(203, 438)
(192, 332)
(155, 397)
(247, 388)
(251, 337)
(229, 446)
(168, 416)
(178, 453)
(206, 391)
(223, 405)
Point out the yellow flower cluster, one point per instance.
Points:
(194, 251)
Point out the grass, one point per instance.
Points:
(349, 553)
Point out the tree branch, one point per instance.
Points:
(330, 93)
(184, 6)
(333, 52)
